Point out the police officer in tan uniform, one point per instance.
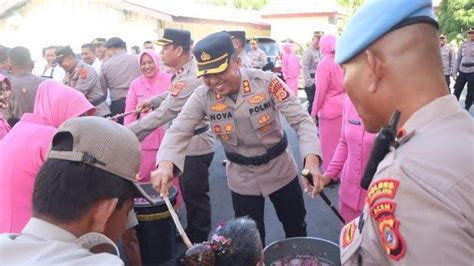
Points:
(24, 84)
(194, 182)
(257, 56)
(309, 62)
(465, 66)
(244, 106)
(448, 55)
(83, 78)
(419, 208)
(239, 40)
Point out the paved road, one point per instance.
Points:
(321, 221)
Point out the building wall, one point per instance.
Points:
(74, 22)
(300, 29)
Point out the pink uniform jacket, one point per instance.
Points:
(4, 127)
(141, 89)
(25, 147)
(350, 158)
(329, 97)
(290, 67)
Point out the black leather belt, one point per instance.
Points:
(467, 64)
(271, 154)
(201, 130)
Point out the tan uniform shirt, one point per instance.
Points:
(43, 243)
(249, 127)
(257, 57)
(244, 60)
(168, 105)
(419, 208)
(310, 61)
(118, 72)
(22, 98)
(448, 55)
(85, 79)
(465, 56)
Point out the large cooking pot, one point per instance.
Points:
(325, 251)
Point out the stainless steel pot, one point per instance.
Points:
(324, 250)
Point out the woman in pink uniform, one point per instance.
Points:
(349, 161)
(329, 98)
(5, 90)
(24, 149)
(290, 67)
(151, 82)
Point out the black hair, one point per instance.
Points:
(147, 42)
(50, 47)
(121, 45)
(244, 245)
(186, 48)
(66, 190)
(89, 46)
(20, 57)
(3, 53)
(136, 49)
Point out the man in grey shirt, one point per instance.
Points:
(24, 84)
(117, 73)
(311, 58)
(239, 40)
(448, 55)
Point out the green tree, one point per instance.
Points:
(455, 17)
(351, 5)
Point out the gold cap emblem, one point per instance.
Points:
(205, 56)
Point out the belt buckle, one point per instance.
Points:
(261, 159)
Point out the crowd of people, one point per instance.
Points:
(79, 136)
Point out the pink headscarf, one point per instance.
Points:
(291, 65)
(327, 45)
(56, 103)
(152, 82)
(4, 126)
(25, 147)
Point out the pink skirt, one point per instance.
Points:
(293, 84)
(329, 135)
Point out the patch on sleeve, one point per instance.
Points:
(83, 73)
(382, 209)
(383, 188)
(348, 233)
(392, 241)
(177, 88)
(278, 89)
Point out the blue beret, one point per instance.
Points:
(376, 18)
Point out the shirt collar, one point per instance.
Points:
(47, 231)
(437, 108)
